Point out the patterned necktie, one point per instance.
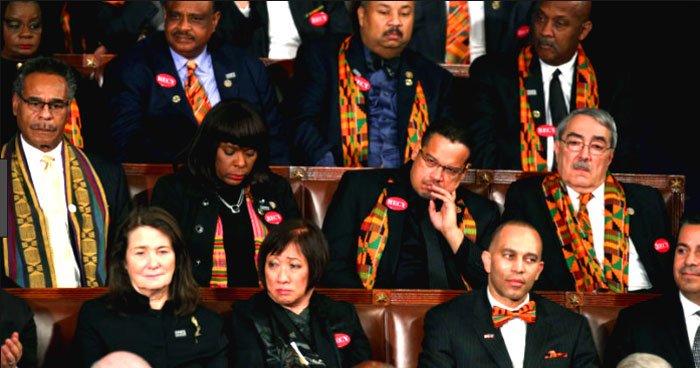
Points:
(557, 104)
(526, 313)
(457, 34)
(584, 222)
(696, 345)
(196, 94)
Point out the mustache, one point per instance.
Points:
(41, 126)
(182, 33)
(543, 41)
(582, 165)
(690, 269)
(393, 29)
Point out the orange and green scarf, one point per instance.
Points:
(531, 150)
(27, 249)
(578, 250)
(353, 120)
(374, 232)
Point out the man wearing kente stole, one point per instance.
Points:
(597, 233)
(413, 227)
(61, 201)
(364, 100)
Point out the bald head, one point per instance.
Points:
(524, 227)
(119, 359)
(559, 26)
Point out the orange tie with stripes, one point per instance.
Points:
(457, 36)
(196, 95)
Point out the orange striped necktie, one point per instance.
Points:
(457, 35)
(196, 95)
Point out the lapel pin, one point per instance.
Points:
(409, 74)
(409, 82)
(489, 336)
(532, 92)
(231, 75)
(496, 5)
(72, 208)
(536, 114)
(176, 99)
(228, 83)
(661, 245)
(630, 210)
(396, 203)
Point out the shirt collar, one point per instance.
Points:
(566, 69)
(598, 192)
(689, 308)
(496, 303)
(203, 62)
(33, 154)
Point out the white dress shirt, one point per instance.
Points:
(477, 28)
(637, 277)
(692, 321)
(66, 268)
(565, 79)
(513, 332)
(204, 71)
(281, 30)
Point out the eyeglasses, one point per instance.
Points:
(576, 145)
(450, 171)
(37, 105)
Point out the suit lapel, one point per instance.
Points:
(536, 337)
(491, 337)
(396, 219)
(437, 275)
(163, 63)
(405, 95)
(534, 83)
(225, 73)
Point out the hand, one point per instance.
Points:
(445, 221)
(11, 352)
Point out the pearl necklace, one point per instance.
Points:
(235, 209)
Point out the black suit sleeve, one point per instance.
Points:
(468, 256)
(514, 205)
(163, 194)
(339, 17)
(245, 350)
(359, 349)
(620, 344)
(437, 349)
(584, 354)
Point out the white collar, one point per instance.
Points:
(566, 69)
(598, 192)
(496, 303)
(181, 61)
(33, 154)
(689, 308)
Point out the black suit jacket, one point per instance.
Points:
(251, 33)
(495, 110)
(355, 197)
(525, 201)
(17, 317)
(152, 123)
(656, 326)
(460, 333)
(314, 110)
(501, 24)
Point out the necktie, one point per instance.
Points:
(196, 94)
(557, 104)
(696, 345)
(526, 313)
(457, 33)
(584, 222)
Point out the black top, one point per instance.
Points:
(158, 336)
(17, 317)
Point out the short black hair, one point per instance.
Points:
(311, 242)
(46, 65)
(233, 121)
(448, 128)
(689, 218)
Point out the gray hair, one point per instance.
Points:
(598, 115)
(643, 360)
(46, 65)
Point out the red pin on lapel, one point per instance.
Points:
(362, 83)
(165, 80)
(341, 339)
(522, 32)
(396, 203)
(318, 19)
(273, 217)
(546, 130)
(661, 245)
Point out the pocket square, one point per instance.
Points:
(553, 354)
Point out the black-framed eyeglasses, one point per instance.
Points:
(37, 105)
(576, 145)
(450, 171)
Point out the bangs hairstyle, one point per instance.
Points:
(230, 121)
(311, 242)
(182, 290)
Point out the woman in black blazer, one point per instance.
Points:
(225, 198)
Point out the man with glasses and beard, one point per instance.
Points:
(597, 233)
(413, 227)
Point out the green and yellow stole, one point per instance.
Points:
(374, 232)
(578, 251)
(531, 151)
(353, 120)
(27, 249)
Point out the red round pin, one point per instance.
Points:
(396, 203)
(546, 130)
(661, 245)
(273, 217)
(362, 83)
(522, 32)
(318, 19)
(341, 339)
(165, 80)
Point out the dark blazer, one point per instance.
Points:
(197, 209)
(153, 124)
(525, 201)
(457, 335)
(17, 317)
(501, 23)
(355, 197)
(328, 318)
(656, 326)
(251, 33)
(314, 110)
(495, 110)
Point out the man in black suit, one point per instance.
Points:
(520, 97)
(364, 100)
(160, 89)
(504, 325)
(597, 233)
(412, 227)
(61, 201)
(666, 326)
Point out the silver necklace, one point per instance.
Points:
(235, 208)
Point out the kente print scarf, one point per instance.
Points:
(578, 251)
(531, 150)
(353, 120)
